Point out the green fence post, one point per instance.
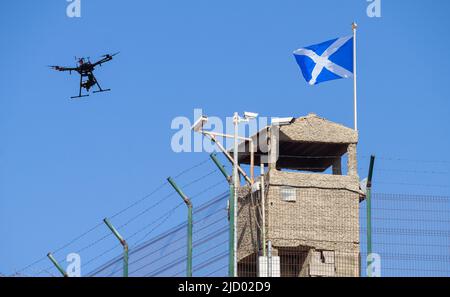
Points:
(369, 210)
(123, 243)
(220, 166)
(188, 203)
(60, 269)
(189, 241)
(231, 212)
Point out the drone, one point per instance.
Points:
(86, 70)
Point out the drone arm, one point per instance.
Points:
(104, 60)
(59, 68)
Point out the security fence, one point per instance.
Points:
(165, 255)
(322, 232)
(410, 233)
(309, 234)
(310, 227)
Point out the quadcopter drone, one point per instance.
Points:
(86, 70)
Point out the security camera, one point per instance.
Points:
(282, 121)
(198, 125)
(250, 115)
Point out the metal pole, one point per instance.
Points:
(269, 259)
(355, 101)
(229, 157)
(252, 161)
(369, 210)
(263, 210)
(60, 269)
(188, 203)
(236, 187)
(122, 242)
(231, 262)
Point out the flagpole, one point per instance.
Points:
(355, 94)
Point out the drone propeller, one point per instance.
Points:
(109, 55)
(58, 68)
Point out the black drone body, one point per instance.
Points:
(86, 70)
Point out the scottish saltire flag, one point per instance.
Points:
(326, 61)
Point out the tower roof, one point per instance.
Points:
(313, 128)
(308, 143)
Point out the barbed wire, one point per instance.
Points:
(413, 184)
(407, 160)
(164, 218)
(143, 212)
(205, 207)
(165, 215)
(427, 245)
(179, 260)
(410, 198)
(387, 231)
(201, 163)
(217, 270)
(158, 225)
(413, 171)
(210, 261)
(417, 270)
(140, 200)
(175, 241)
(409, 220)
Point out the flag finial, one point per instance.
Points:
(354, 25)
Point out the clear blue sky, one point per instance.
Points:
(65, 164)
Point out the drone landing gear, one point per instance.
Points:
(79, 96)
(81, 87)
(100, 91)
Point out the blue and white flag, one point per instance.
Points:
(329, 60)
